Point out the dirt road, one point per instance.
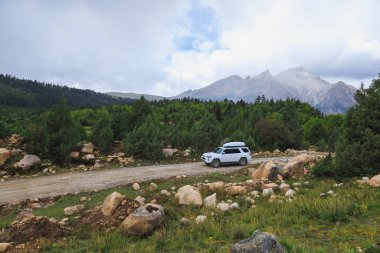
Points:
(47, 186)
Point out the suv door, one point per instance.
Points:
(236, 155)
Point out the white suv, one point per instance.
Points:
(232, 152)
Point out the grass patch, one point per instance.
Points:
(310, 223)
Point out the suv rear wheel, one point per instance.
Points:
(243, 161)
(215, 163)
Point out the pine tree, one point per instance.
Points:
(358, 150)
(145, 140)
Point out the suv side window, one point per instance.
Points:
(235, 151)
(227, 151)
(245, 150)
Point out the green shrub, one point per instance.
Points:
(325, 168)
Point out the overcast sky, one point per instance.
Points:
(166, 47)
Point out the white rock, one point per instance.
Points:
(200, 219)
(185, 221)
(250, 200)
(165, 193)
(83, 199)
(234, 206)
(254, 193)
(267, 192)
(290, 193)
(136, 186)
(210, 201)
(223, 206)
(152, 187)
(331, 193)
(189, 195)
(365, 179)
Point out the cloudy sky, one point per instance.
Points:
(165, 47)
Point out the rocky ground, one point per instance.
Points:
(157, 211)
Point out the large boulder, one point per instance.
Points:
(259, 242)
(294, 169)
(374, 181)
(4, 155)
(266, 171)
(111, 202)
(144, 220)
(304, 158)
(189, 195)
(88, 148)
(28, 161)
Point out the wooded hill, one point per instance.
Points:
(24, 93)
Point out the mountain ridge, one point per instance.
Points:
(297, 82)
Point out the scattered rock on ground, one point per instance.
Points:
(210, 201)
(144, 220)
(111, 202)
(259, 242)
(165, 193)
(290, 193)
(4, 246)
(4, 155)
(140, 199)
(189, 195)
(267, 192)
(234, 206)
(152, 187)
(284, 187)
(273, 186)
(71, 210)
(200, 219)
(185, 221)
(28, 161)
(216, 186)
(236, 190)
(374, 181)
(136, 186)
(88, 148)
(223, 206)
(267, 170)
(294, 169)
(304, 158)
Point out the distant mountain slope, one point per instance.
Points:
(32, 94)
(293, 83)
(132, 95)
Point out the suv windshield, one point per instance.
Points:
(218, 150)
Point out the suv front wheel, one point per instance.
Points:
(243, 161)
(215, 163)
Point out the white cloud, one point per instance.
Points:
(324, 36)
(132, 46)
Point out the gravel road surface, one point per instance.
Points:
(17, 190)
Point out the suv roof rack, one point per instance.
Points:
(235, 144)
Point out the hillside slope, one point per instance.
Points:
(32, 94)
